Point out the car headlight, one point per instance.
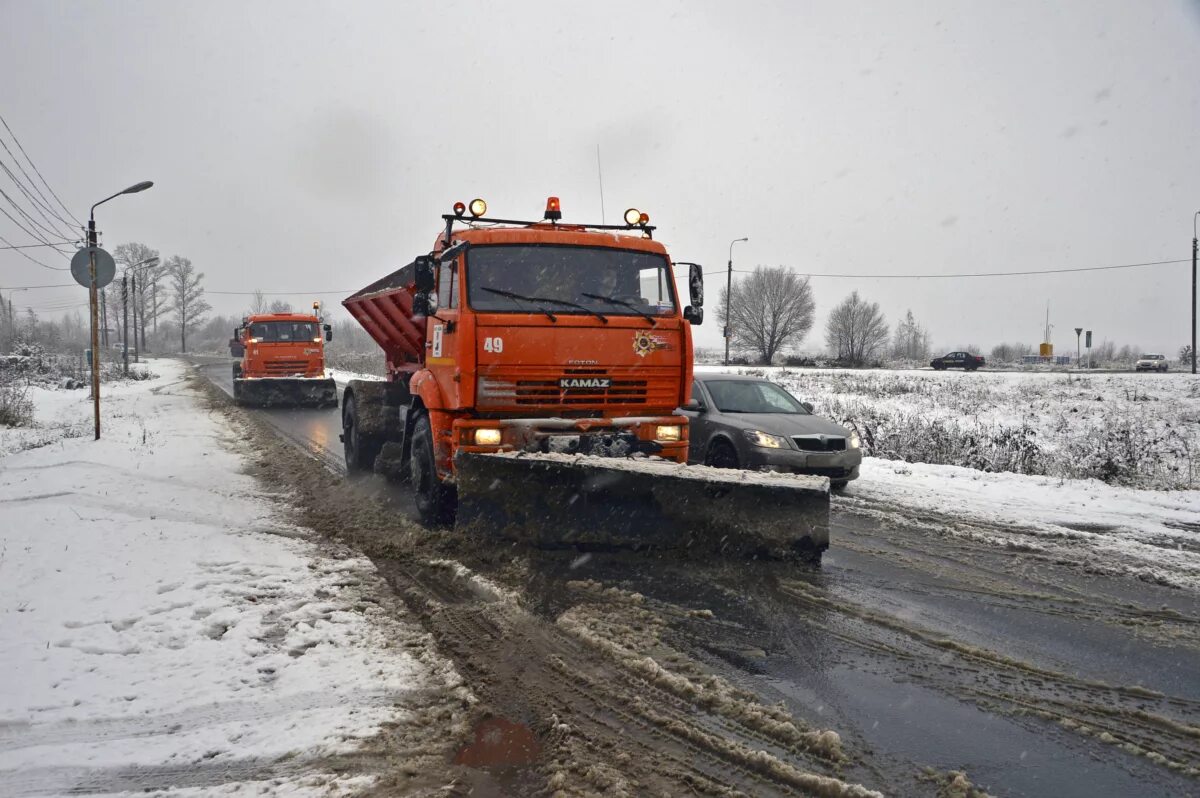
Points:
(766, 440)
(487, 437)
(855, 441)
(668, 432)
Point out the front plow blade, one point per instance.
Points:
(564, 500)
(285, 392)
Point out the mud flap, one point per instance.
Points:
(286, 392)
(564, 500)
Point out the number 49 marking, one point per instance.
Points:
(493, 344)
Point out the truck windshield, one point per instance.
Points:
(279, 331)
(613, 282)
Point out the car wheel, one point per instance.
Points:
(721, 455)
(435, 501)
(360, 449)
(838, 485)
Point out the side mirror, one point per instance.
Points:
(696, 284)
(424, 271)
(694, 405)
(328, 332)
(807, 406)
(693, 314)
(236, 349)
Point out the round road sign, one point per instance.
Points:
(106, 268)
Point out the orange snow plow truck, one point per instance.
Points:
(281, 360)
(534, 371)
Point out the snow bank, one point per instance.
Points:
(1151, 534)
(158, 614)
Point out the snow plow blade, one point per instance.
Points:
(285, 392)
(555, 500)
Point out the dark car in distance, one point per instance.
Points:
(957, 360)
(745, 422)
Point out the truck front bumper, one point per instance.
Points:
(662, 436)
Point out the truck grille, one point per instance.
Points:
(286, 366)
(530, 387)
(819, 443)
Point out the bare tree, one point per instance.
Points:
(131, 255)
(187, 296)
(770, 310)
(279, 306)
(856, 331)
(258, 303)
(911, 341)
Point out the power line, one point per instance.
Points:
(28, 287)
(35, 235)
(974, 274)
(35, 246)
(38, 205)
(38, 172)
(283, 293)
(22, 253)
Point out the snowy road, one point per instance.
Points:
(929, 643)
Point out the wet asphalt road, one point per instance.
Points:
(922, 648)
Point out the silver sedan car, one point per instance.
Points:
(752, 423)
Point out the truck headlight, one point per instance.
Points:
(855, 441)
(668, 432)
(487, 437)
(766, 440)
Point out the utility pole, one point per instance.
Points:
(729, 296)
(91, 242)
(1194, 218)
(133, 292)
(125, 322)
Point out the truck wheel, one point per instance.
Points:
(721, 455)
(360, 449)
(435, 501)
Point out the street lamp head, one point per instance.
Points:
(142, 186)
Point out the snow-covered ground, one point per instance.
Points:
(162, 624)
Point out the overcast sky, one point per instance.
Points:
(301, 146)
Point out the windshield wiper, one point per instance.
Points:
(584, 308)
(522, 298)
(614, 301)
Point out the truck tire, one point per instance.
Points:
(360, 448)
(434, 500)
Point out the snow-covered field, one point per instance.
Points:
(1153, 534)
(1138, 430)
(163, 624)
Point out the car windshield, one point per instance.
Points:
(612, 282)
(747, 396)
(1151, 357)
(284, 331)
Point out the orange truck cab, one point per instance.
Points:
(514, 336)
(281, 360)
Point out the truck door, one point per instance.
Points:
(443, 340)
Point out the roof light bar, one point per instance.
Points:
(553, 209)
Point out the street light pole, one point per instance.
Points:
(1194, 218)
(91, 241)
(131, 271)
(729, 295)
